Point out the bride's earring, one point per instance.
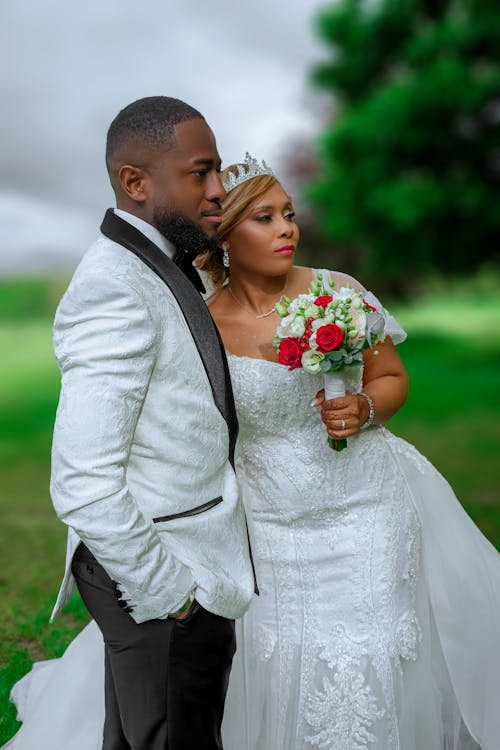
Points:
(225, 256)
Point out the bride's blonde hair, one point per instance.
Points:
(234, 210)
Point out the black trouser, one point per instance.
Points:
(165, 680)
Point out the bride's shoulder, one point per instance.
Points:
(303, 276)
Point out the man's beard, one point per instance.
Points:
(184, 234)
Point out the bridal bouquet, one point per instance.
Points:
(326, 331)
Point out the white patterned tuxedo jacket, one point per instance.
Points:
(140, 467)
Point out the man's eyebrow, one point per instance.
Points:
(207, 162)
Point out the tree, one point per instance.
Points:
(409, 161)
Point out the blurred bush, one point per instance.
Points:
(408, 164)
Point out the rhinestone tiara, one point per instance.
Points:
(246, 170)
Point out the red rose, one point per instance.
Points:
(290, 353)
(329, 337)
(323, 301)
(370, 307)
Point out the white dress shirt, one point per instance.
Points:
(148, 230)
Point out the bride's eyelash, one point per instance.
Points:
(267, 217)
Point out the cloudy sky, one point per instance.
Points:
(69, 67)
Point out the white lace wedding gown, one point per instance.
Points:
(377, 626)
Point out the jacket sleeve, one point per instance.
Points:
(105, 344)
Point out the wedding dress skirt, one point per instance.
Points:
(378, 621)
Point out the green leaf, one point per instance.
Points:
(325, 365)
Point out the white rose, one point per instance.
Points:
(303, 300)
(345, 292)
(311, 360)
(322, 321)
(291, 326)
(312, 311)
(357, 336)
(297, 327)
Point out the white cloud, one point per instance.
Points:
(72, 66)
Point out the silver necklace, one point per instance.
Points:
(261, 315)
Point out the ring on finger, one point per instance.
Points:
(342, 423)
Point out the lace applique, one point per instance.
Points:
(353, 716)
(408, 636)
(408, 632)
(347, 697)
(263, 642)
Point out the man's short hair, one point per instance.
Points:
(149, 121)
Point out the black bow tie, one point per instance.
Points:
(184, 260)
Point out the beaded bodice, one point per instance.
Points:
(282, 447)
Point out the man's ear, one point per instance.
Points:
(134, 182)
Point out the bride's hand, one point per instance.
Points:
(342, 416)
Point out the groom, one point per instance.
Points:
(143, 451)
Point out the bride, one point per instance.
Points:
(378, 621)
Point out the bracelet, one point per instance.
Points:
(183, 609)
(371, 415)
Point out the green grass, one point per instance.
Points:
(452, 416)
(32, 541)
(453, 411)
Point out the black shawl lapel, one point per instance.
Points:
(193, 308)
